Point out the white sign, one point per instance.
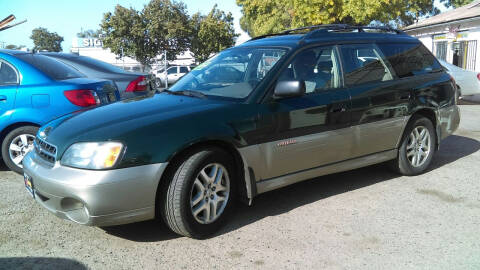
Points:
(92, 42)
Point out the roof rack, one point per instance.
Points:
(322, 28)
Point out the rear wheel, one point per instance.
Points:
(16, 145)
(200, 196)
(417, 147)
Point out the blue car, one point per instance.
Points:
(35, 89)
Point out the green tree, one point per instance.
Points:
(45, 40)
(89, 33)
(456, 3)
(161, 26)
(211, 34)
(14, 47)
(270, 16)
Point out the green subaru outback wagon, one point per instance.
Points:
(271, 112)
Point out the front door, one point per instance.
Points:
(311, 130)
(9, 80)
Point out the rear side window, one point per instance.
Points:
(410, 59)
(7, 74)
(364, 63)
(51, 67)
(172, 70)
(183, 70)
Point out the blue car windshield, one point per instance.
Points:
(233, 73)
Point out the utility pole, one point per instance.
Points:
(165, 70)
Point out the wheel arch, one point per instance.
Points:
(13, 126)
(244, 184)
(431, 115)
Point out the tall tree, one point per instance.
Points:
(269, 16)
(14, 47)
(89, 33)
(456, 3)
(161, 26)
(211, 34)
(45, 40)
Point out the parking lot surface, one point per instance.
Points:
(368, 218)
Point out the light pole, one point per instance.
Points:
(165, 69)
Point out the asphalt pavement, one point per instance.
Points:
(368, 218)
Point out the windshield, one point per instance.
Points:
(232, 73)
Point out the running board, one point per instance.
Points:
(285, 180)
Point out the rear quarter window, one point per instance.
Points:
(409, 59)
(52, 68)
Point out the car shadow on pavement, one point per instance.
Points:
(288, 198)
(145, 231)
(3, 167)
(40, 263)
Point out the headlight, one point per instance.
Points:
(92, 155)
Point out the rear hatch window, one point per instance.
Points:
(52, 68)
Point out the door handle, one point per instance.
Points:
(3, 98)
(405, 97)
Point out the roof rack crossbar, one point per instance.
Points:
(322, 28)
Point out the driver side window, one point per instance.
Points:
(318, 67)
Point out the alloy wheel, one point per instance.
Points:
(19, 147)
(209, 194)
(418, 146)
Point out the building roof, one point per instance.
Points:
(471, 10)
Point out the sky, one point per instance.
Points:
(69, 17)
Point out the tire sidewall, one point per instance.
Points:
(405, 166)
(30, 130)
(195, 228)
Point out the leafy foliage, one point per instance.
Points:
(211, 34)
(45, 40)
(161, 26)
(456, 3)
(270, 16)
(89, 34)
(14, 47)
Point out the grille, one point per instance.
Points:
(45, 150)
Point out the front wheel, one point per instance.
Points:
(200, 196)
(16, 145)
(417, 147)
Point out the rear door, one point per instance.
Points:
(311, 130)
(379, 103)
(9, 80)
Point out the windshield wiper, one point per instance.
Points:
(188, 93)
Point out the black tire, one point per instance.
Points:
(402, 164)
(175, 195)
(28, 130)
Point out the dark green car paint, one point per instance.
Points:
(156, 127)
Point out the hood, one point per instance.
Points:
(113, 121)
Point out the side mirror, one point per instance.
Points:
(289, 89)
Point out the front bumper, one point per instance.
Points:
(97, 198)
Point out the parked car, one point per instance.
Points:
(130, 84)
(188, 153)
(468, 82)
(173, 74)
(35, 89)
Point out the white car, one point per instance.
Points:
(468, 82)
(173, 74)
